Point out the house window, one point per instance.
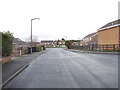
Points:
(90, 38)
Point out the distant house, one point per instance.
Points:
(90, 39)
(109, 33)
(62, 43)
(52, 43)
(19, 43)
(47, 43)
(19, 47)
(76, 42)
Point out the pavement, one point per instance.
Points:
(94, 52)
(16, 64)
(61, 68)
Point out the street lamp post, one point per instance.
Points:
(31, 31)
(79, 43)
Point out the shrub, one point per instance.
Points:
(43, 47)
(38, 48)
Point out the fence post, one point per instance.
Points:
(119, 47)
(99, 47)
(113, 47)
(103, 47)
(96, 47)
(92, 47)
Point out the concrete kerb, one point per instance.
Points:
(14, 75)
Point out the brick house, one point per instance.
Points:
(19, 47)
(109, 34)
(47, 43)
(76, 43)
(90, 39)
(62, 43)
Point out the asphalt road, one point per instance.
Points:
(60, 68)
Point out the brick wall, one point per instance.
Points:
(109, 36)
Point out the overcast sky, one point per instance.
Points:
(58, 18)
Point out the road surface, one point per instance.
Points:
(60, 68)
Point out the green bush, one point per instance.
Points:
(7, 43)
(38, 48)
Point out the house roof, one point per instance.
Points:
(110, 25)
(75, 44)
(90, 35)
(46, 41)
(77, 40)
(19, 41)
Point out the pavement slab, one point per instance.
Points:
(13, 66)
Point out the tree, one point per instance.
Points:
(7, 43)
(68, 44)
(58, 42)
(63, 39)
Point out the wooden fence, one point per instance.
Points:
(102, 47)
